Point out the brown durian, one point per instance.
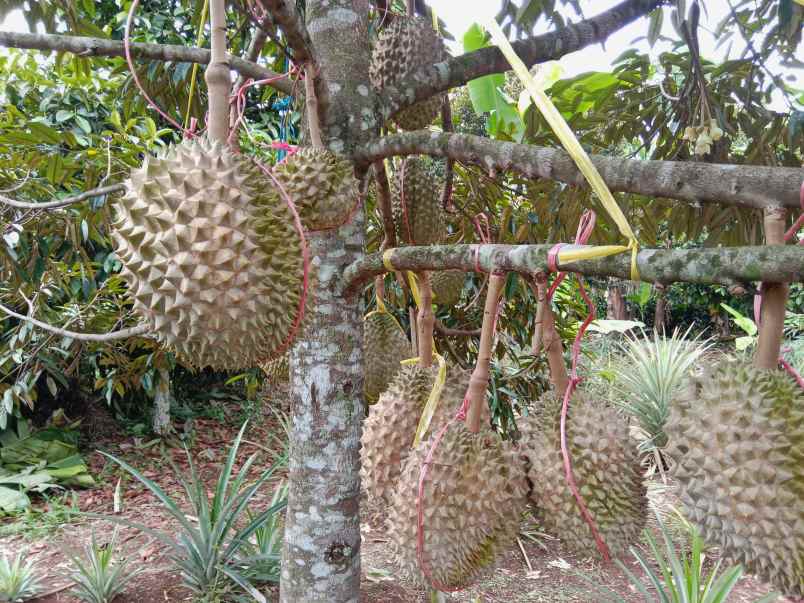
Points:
(417, 210)
(447, 286)
(385, 346)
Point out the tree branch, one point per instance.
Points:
(103, 190)
(745, 185)
(724, 265)
(100, 337)
(287, 18)
(457, 71)
(98, 47)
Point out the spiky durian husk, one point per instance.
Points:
(212, 261)
(277, 371)
(474, 495)
(322, 186)
(606, 468)
(390, 428)
(401, 48)
(421, 220)
(737, 436)
(385, 346)
(447, 286)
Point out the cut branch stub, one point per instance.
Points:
(479, 381)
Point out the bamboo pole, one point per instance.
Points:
(774, 299)
(217, 74)
(478, 382)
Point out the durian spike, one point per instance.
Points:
(546, 337)
(312, 106)
(478, 382)
(217, 74)
(425, 321)
(774, 298)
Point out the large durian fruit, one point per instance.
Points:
(606, 468)
(385, 346)
(402, 47)
(390, 428)
(474, 495)
(447, 286)
(211, 257)
(736, 434)
(321, 184)
(420, 221)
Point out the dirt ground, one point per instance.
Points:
(532, 571)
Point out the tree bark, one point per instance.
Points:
(696, 182)
(162, 402)
(321, 552)
(724, 265)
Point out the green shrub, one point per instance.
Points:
(97, 576)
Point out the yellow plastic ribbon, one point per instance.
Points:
(433, 399)
(414, 289)
(435, 21)
(568, 139)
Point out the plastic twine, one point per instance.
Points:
(305, 259)
(130, 61)
(585, 227)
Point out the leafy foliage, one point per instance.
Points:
(18, 580)
(212, 553)
(98, 577)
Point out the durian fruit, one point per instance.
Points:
(474, 495)
(385, 346)
(211, 258)
(402, 47)
(322, 186)
(278, 370)
(606, 468)
(390, 428)
(737, 436)
(447, 286)
(420, 221)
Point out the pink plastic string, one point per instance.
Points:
(305, 259)
(239, 97)
(585, 227)
(798, 223)
(130, 61)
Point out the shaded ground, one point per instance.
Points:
(541, 571)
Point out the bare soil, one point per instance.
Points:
(541, 571)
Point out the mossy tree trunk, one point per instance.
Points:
(321, 556)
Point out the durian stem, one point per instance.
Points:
(312, 106)
(550, 340)
(411, 5)
(479, 381)
(217, 75)
(426, 320)
(774, 299)
(379, 288)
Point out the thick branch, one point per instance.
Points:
(456, 71)
(287, 18)
(100, 337)
(98, 47)
(103, 190)
(724, 265)
(746, 185)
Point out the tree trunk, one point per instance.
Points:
(615, 303)
(321, 553)
(660, 314)
(162, 401)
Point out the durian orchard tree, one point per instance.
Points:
(349, 105)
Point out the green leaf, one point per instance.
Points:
(63, 115)
(482, 91)
(83, 124)
(12, 500)
(745, 323)
(655, 27)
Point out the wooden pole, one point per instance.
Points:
(479, 380)
(217, 74)
(774, 299)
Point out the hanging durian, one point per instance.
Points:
(385, 346)
(417, 210)
(390, 428)
(447, 286)
(606, 468)
(474, 491)
(321, 184)
(402, 47)
(211, 257)
(736, 434)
